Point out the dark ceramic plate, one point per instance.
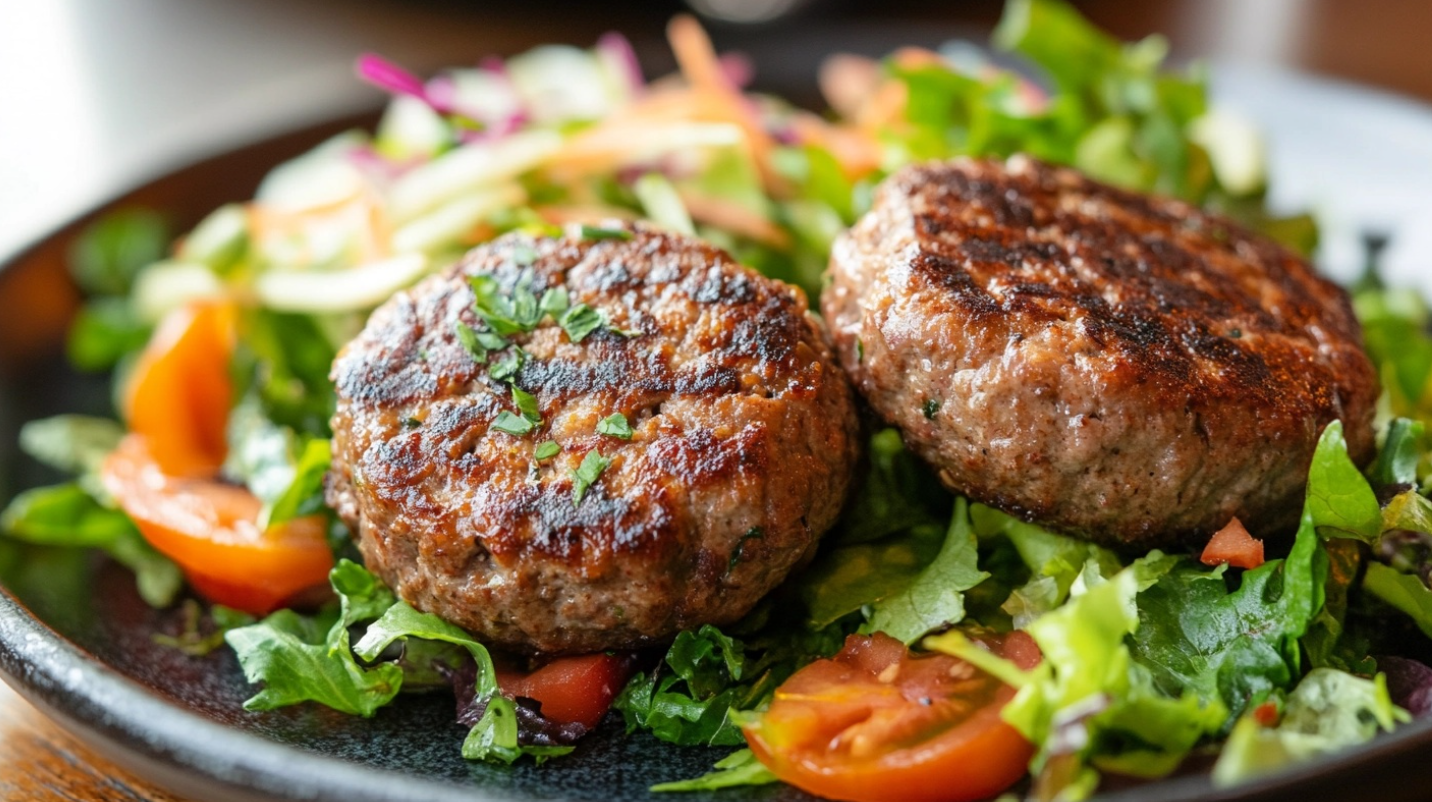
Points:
(75, 638)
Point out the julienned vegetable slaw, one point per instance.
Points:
(221, 347)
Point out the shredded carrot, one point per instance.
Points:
(735, 218)
(857, 152)
(560, 214)
(698, 62)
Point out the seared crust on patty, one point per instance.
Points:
(1124, 368)
(743, 441)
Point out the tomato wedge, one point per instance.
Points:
(876, 723)
(211, 530)
(571, 689)
(1233, 545)
(180, 392)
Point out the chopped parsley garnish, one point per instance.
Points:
(508, 367)
(523, 254)
(471, 341)
(491, 341)
(587, 474)
(526, 404)
(930, 408)
(497, 310)
(597, 232)
(546, 450)
(524, 303)
(615, 425)
(514, 425)
(554, 302)
(581, 320)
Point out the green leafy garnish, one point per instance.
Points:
(301, 659)
(555, 302)
(514, 425)
(304, 495)
(73, 444)
(587, 474)
(527, 405)
(508, 368)
(935, 598)
(1330, 710)
(740, 768)
(467, 335)
(580, 321)
(67, 515)
(500, 312)
(546, 450)
(107, 256)
(615, 425)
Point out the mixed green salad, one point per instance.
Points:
(1147, 660)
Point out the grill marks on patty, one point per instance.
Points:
(1118, 366)
(740, 421)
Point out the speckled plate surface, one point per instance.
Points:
(76, 640)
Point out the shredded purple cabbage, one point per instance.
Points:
(533, 729)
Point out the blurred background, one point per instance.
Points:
(98, 95)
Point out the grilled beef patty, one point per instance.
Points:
(743, 441)
(1123, 368)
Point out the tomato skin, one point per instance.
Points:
(210, 529)
(572, 689)
(877, 724)
(180, 392)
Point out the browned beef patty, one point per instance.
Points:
(743, 441)
(1124, 368)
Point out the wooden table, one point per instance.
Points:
(40, 762)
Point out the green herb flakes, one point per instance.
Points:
(587, 474)
(581, 320)
(514, 425)
(555, 302)
(507, 369)
(526, 404)
(546, 450)
(615, 425)
(470, 341)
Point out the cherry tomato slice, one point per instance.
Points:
(180, 392)
(571, 689)
(211, 530)
(878, 724)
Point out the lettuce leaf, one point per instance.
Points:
(68, 515)
(935, 597)
(1239, 647)
(1405, 592)
(1329, 711)
(302, 658)
(740, 768)
(1089, 704)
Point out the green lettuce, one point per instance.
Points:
(308, 658)
(740, 768)
(935, 597)
(1329, 711)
